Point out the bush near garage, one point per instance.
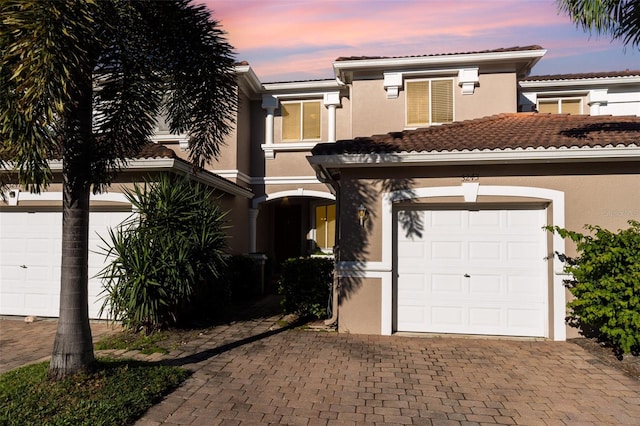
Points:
(306, 285)
(168, 255)
(606, 285)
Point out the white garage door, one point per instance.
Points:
(30, 247)
(472, 272)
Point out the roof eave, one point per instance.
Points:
(246, 74)
(170, 164)
(317, 85)
(516, 156)
(533, 56)
(526, 84)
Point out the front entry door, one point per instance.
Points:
(288, 228)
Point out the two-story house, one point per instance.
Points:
(431, 173)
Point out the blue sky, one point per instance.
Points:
(287, 40)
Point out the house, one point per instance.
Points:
(31, 231)
(433, 176)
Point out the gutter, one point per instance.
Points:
(513, 156)
(324, 177)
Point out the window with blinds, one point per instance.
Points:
(560, 106)
(429, 102)
(301, 121)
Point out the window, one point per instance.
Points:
(429, 102)
(325, 227)
(560, 106)
(301, 121)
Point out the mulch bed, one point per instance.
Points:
(628, 364)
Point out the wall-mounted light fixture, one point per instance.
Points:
(362, 214)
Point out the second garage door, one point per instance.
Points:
(30, 250)
(472, 272)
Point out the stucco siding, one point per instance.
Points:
(360, 306)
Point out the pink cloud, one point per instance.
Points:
(278, 36)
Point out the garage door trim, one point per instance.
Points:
(554, 197)
(501, 247)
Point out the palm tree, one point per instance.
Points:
(619, 18)
(85, 80)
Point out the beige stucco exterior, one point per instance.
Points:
(360, 307)
(374, 113)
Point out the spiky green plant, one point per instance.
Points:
(170, 252)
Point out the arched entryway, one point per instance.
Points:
(291, 224)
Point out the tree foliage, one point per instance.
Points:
(166, 256)
(83, 81)
(143, 59)
(605, 284)
(618, 18)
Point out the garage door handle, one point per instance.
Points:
(467, 276)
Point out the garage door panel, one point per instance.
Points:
(449, 250)
(411, 250)
(486, 286)
(485, 250)
(441, 219)
(523, 319)
(523, 250)
(485, 317)
(485, 219)
(519, 287)
(445, 316)
(483, 272)
(447, 284)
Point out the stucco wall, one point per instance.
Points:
(373, 113)
(289, 163)
(360, 307)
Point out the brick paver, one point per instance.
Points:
(252, 373)
(24, 343)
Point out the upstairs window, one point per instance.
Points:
(560, 106)
(429, 102)
(301, 121)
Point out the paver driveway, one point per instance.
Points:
(248, 373)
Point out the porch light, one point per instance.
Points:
(362, 214)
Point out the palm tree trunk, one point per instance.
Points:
(73, 347)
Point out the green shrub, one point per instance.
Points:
(165, 257)
(606, 285)
(241, 277)
(306, 286)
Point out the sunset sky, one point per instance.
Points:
(286, 40)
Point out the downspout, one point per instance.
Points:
(324, 176)
(335, 291)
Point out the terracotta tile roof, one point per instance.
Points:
(499, 132)
(150, 150)
(587, 75)
(154, 150)
(501, 50)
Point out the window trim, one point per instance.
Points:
(301, 103)
(558, 100)
(430, 123)
(314, 218)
